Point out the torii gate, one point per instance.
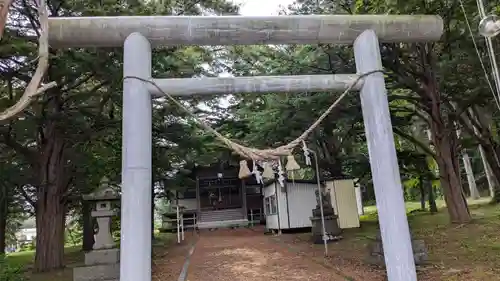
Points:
(138, 34)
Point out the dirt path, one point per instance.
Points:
(168, 260)
(244, 254)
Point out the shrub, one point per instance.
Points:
(9, 272)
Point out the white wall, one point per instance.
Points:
(343, 197)
(359, 200)
(189, 204)
(282, 207)
(271, 220)
(302, 200)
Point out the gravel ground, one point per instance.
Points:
(168, 260)
(348, 262)
(243, 254)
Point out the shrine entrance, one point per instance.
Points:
(220, 197)
(138, 35)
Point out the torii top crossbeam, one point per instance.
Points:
(241, 30)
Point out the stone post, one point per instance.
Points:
(332, 229)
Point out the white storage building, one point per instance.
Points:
(291, 206)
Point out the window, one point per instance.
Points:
(270, 205)
(274, 205)
(267, 206)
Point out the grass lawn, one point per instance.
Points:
(371, 211)
(26, 258)
(456, 252)
(73, 257)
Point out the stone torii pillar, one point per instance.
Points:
(139, 34)
(389, 196)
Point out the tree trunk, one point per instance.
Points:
(445, 142)
(471, 180)
(488, 147)
(50, 206)
(422, 192)
(492, 182)
(88, 227)
(430, 196)
(3, 218)
(4, 14)
(153, 214)
(447, 158)
(492, 154)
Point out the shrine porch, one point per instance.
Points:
(221, 202)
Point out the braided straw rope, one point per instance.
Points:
(254, 153)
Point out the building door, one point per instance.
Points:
(222, 194)
(231, 197)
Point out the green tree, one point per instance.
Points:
(72, 129)
(414, 93)
(12, 203)
(418, 68)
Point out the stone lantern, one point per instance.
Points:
(332, 229)
(102, 263)
(103, 214)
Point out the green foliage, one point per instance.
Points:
(28, 247)
(83, 113)
(10, 272)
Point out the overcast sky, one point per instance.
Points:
(261, 7)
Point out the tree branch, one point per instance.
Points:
(414, 141)
(32, 90)
(23, 150)
(27, 197)
(4, 14)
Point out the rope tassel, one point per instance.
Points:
(291, 164)
(256, 172)
(244, 171)
(281, 177)
(268, 171)
(306, 153)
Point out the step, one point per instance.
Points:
(221, 215)
(222, 224)
(223, 211)
(222, 218)
(237, 216)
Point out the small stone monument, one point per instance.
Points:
(332, 229)
(420, 254)
(103, 262)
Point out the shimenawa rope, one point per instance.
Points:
(254, 153)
